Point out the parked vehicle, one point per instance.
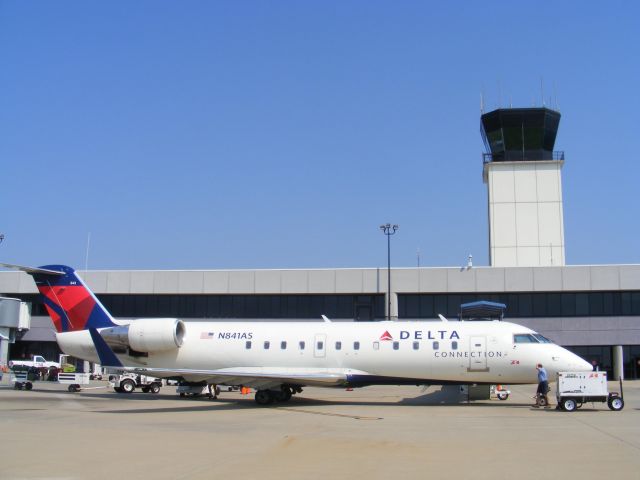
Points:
(37, 361)
(128, 382)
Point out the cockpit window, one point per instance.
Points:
(542, 338)
(524, 338)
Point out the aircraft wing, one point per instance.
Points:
(255, 377)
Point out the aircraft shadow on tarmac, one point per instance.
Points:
(223, 402)
(194, 404)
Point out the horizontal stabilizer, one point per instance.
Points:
(32, 270)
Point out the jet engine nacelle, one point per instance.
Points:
(147, 335)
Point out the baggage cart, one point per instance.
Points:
(20, 380)
(74, 380)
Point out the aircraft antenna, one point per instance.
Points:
(86, 257)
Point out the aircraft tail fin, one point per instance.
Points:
(69, 302)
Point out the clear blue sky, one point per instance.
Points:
(281, 134)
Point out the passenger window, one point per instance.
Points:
(338, 345)
(416, 345)
(301, 345)
(247, 345)
(376, 345)
(396, 345)
(320, 345)
(356, 345)
(436, 345)
(266, 345)
(283, 345)
(454, 345)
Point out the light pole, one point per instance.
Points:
(388, 230)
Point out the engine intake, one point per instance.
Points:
(146, 335)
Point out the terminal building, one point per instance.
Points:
(593, 310)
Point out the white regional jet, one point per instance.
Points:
(279, 358)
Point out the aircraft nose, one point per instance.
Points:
(577, 364)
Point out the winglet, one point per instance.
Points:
(442, 317)
(324, 317)
(106, 355)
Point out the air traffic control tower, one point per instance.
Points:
(523, 176)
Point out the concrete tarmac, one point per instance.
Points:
(373, 432)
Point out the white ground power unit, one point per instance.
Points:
(573, 389)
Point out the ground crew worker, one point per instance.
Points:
(543, 386)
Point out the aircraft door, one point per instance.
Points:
(320, 345)
(478, 354)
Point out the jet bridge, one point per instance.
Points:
(482, 311)
(15, 317)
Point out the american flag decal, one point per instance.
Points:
(206, 335)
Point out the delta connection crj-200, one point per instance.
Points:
(279, 358)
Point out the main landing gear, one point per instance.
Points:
(266, 397)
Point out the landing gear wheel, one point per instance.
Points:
(155, 388)
(615, 403)
(264, 397)
(283, 395)
(569, 404)
(128, 386)
(214, 391)
(28, 386)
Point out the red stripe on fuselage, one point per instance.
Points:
(76, 301)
